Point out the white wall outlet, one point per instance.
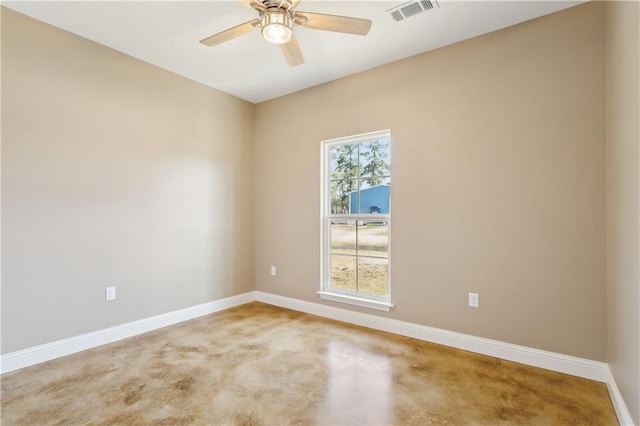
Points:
(273, 271)
(110, 293)
(474, 300)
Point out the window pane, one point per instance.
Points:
(373, 239)
(373, 276)
(343, 161)
(375, 160)
(343, 237)
(340, 194)
(374, 199)
(343, 272)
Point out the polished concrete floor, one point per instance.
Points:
(262, 365)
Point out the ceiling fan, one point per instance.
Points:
(276, 21)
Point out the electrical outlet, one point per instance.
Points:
(474, 300)
(273, 271)
(110, 293)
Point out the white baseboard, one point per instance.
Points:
(37, 354)
(593, 370)
(624, 416)
(575, 366)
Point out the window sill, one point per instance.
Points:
(358, 301)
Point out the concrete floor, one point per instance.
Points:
(262, 365)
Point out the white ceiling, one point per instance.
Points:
(166, 34)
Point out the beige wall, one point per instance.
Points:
(498, 182)
(117, 173)
(623, 195)
(114, 172)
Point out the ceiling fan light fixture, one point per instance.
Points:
(277, 27)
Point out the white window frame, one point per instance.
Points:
(327, 292)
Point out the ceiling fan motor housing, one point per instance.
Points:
(276, 20)
(277, 26)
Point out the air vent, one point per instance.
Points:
(397, 15)
(426, 5)
(409, 9)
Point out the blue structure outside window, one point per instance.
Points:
(370, 200)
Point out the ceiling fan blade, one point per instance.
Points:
(229, 34)
(341, 24)
(292, 52)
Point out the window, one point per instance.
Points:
(356, 220)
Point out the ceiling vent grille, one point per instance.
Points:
(409, 9)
